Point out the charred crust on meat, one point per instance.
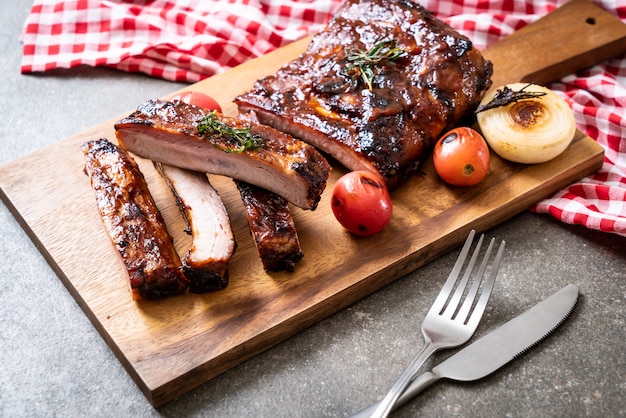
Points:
(168, 132)
(204, 282)
(272, 227)
(133, 222)
(392, 126)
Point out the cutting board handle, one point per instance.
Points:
(573, 37)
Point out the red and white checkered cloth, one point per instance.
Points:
(188, 40)
(178, 40)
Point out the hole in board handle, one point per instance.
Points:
(590, 21)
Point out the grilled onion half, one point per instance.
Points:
(527, 130)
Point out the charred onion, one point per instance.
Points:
(526, 123)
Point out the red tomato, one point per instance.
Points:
(197, 99)
(361, 203)
(461, 157)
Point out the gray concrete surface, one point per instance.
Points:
(54, 363)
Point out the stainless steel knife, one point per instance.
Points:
(497, 348)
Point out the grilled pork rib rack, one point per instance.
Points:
(322, 97)
(374, 90)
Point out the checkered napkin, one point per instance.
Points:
(597, 96)
(178, 40)
(188, 40)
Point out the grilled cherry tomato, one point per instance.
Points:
(361, 203)
(461, 157)
(197, 99)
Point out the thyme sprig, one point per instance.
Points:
(361, 62)
(242, 138)
(507, 96)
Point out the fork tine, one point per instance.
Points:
(453, 304)
(442, 331)
(471, 295)
(454, 274)
(477, 313)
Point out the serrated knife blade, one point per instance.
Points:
(497, 348)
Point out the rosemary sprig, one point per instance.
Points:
(507, 96)
(362, 62)
(242, 138)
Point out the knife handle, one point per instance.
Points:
(419, 384)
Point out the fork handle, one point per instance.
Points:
(386, 405)
(418, 385)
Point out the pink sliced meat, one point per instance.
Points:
(213, 244)
(168, 132)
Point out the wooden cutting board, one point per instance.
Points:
(172, 345)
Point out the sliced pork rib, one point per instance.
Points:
(436, 79)
(213, 244)
(167, 132)
(272, 227)
(133, 221)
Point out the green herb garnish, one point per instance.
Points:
(242, 138)
(362, 62)
(507, 96)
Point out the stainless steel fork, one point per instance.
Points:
(446, 324)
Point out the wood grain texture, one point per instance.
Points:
(173, 345)
(576, 36)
